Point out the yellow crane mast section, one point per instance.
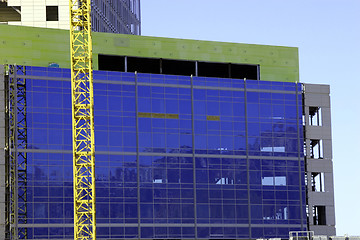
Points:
(82, 120)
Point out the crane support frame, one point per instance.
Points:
(82, 120)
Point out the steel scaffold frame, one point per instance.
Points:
(7, 156)
(16, 161)
(82, 120)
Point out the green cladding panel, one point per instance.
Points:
(41, 46)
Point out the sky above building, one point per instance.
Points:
(328, 37)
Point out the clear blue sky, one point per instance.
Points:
(327, 33)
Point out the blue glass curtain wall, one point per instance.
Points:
(176, 156)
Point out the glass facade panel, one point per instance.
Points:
(116, 17)
(176, 156)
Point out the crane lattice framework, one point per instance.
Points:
(83, 120)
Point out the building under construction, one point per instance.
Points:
(193, 139)
(113, 16)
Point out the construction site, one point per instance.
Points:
(106, 134)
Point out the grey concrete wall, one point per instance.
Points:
(2, 153)
(316, 95)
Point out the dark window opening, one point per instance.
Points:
(143, 65)
(52, 13)
(244, 71)
(317, 182)
(228, 70)
(319, 215)
(316, 149)
(207, 69)
(315, 116)
(178, 67)
(111, 63)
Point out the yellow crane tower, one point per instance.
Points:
(82, 120)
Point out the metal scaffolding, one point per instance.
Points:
(16, 211)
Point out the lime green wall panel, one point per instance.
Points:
(41, 46)
(33, 46)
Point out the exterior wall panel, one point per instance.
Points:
(39, 47)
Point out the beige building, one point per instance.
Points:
(118, 16)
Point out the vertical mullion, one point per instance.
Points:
(193, 153)
(247, 156)
(137, 155)
(298, 153)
